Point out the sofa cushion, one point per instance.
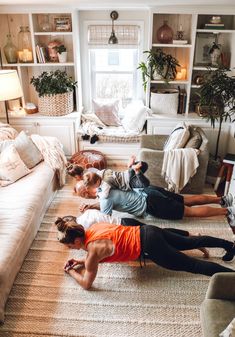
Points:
(216, 315)
(12, 167)
(178, 137)
(22, 206)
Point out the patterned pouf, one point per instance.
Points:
(89, 158)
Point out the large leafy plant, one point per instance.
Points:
(53, 82)
(217, 99)
(158, 62)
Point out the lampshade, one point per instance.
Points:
(10, 87)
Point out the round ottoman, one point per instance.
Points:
(89, 158)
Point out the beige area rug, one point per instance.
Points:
(126, 300)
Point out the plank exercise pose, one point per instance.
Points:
(116, 243)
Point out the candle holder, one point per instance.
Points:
(25, 54)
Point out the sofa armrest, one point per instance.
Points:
(154, 142)
(222, 287)
(154, 158)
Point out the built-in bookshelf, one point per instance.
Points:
(192, 50)
(45, 29)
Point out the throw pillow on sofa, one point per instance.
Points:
(195, 139)
(135, 115)
(27, 150)
(178, 137)
(107, 112)
(12, 167)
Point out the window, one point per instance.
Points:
(113, 68)
(114, 73)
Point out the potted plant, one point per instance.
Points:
(216, 104)
(62, 53)
(158, 63)
(55, 91)
(217, 100)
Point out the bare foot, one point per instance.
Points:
(205, 251)
(137, 167)
(131, 161)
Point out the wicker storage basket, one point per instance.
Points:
(56, 105)
(165, 101)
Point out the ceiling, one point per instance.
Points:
(120, 3)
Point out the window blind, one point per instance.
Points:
(126, 34)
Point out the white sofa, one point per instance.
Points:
(22, 207)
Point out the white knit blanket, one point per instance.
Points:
(178, 167)
(53, 155)
(7, 132)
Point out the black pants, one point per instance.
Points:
(139, 180)
(164, 246)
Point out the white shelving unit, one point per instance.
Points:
(182, 52)
(194, 29)
(11, 22)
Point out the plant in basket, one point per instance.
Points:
(55, 91)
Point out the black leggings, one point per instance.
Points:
(163, 246)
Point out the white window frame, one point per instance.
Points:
(87, 88)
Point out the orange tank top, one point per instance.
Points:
(126, 240)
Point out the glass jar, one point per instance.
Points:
(165, 33)
(10, 50)
(24, 44)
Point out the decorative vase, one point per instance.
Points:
(24, 44)
(62, 57)
(10, 51)
(165, 33)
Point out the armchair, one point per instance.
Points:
(152, 152)
(218, 308)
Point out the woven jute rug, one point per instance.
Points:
(126, 300)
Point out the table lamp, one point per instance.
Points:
(10, 87)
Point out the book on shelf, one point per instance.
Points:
(180, 41)
(42, 54)
(229, 158)
(182, 101)
(214, 25)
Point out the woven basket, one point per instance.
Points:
(56, 105)
(165, 101)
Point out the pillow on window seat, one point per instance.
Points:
(178, 137)
(107, 112)
(91, 117)
(135, 115)
(12, 167)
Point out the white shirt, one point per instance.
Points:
(92, 216)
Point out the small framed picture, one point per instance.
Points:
(204, 43)
(63, 24)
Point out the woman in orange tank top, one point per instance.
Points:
(106, 242)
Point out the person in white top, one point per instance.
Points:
(92, 216)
